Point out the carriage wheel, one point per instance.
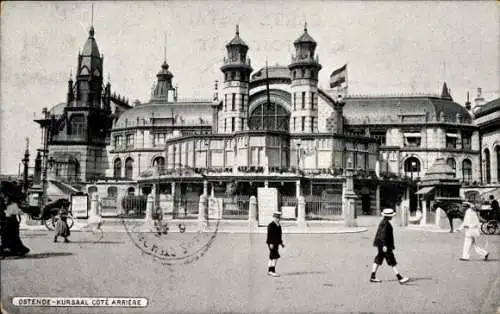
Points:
(491, 227)
(50, 223)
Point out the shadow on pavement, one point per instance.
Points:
(33, 235)
(101, 242)
(302, 273)
(39, 255)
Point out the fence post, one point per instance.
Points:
(349, 201)
(148, 222)
(202, 212)
(253, 221)
(301, 211)
(94, 205)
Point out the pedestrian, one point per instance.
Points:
(471, 224)
(495, 208)
(13, 245)
(274, 240)
(384, 242)
(62, 229)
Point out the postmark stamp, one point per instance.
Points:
(173, 243)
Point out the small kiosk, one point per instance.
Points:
(438, 185)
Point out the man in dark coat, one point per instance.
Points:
(274, 240)
(384, 242)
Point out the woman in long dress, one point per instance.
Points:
(13, 246)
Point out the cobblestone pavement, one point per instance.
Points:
(319, 273)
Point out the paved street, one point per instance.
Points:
(319, 273)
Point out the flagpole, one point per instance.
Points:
(346, 79)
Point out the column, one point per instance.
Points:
(172, 189)
(297, 188)
(203, 213)
(301, 212)
(253, 221)
(266, 183)
(377, 199)
(148, 222)
(205, 187)
(349, 208)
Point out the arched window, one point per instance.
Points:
(131, 191)
(73, 170)
(412, 164)
(487, 166)
(497, 151)
(467, 170)
(129, 168)
(453, 164)
(117, 168)
(77, 125)
(269, 117)
(159, 163)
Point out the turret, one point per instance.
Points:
(236, 70)
(304, 71)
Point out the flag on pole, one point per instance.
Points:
(338, 77)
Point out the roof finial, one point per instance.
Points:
(165, 47)
(237, 30)
(91, 32)
(305, 26)
(71, 75)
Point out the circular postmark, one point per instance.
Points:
(175, 242)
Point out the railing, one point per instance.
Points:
(134, 206)
(324, 208)
(186, 207)
(235, 207)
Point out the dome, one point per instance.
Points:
(58, 109)
(305, 38)
(237, 41)
(388, 110)
(184, 113)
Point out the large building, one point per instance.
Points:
(273, 127)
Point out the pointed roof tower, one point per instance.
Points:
(445, 93)
(305, 38)
(237, 41)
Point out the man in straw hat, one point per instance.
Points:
(274, 240)
(384, 242)
(471, 224)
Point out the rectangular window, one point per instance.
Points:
(242, 121)
(451, 140)
(294, 125)
(412, 139)
(466, 141)
(303, 100)
(130, 140)
(294, 101)
(312, 100)
(225, 102)
(233, 102)
(225, 124)
(312, 124)
(233, 122)
(303, 123)
(242, 107)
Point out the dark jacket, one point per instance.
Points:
(274, 234)
(384, 235)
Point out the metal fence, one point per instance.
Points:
(186, 207)
(235, 207)
(134, 206)
(288, 201)
(324, 207)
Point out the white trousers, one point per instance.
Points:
(471, 237)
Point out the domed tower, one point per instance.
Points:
(88, 83)
(236, 69)
(304, 71)
(164, 84)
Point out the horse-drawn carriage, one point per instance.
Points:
(50, 212)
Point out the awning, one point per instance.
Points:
(412, 134)
(425, 190)
(452, 134)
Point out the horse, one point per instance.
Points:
(452, 210)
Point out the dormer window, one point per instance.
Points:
(412, 139)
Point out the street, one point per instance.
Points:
(319, 273)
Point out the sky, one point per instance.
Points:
(390, 48)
